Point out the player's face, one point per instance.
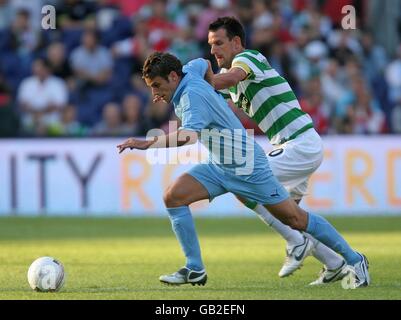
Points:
(223, 49)
(163, 89)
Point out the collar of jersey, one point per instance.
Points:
(180, 88)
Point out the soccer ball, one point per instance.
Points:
(46, 274)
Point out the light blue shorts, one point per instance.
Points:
(261, 187)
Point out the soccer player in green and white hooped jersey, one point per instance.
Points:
(254, 86)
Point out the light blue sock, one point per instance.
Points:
(323, 231)
(184, 229)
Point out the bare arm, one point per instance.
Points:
(174, 139)
(228, 79)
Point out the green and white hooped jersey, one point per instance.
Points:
(267, 98)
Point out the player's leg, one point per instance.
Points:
(298, 246)
(177, 198)
(282, 162)
(293, 164)
(291, 214)
(333, 263)
(274, 196)
(293, 237)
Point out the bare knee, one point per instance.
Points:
(174, 197)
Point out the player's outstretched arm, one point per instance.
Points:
(174, 139)
(133, 143)
(228, 79)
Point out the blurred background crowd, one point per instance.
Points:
(84, 77)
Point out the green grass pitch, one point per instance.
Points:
(122, 258)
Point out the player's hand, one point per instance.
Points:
(133, 143)
(209, 75)
(157, 98)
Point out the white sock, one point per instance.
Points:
(292, 236)
(325, 255)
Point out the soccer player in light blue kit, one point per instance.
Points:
(205, 116)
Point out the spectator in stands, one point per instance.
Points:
(41, 98)
(358, 112)
(184, 47)
(24, 39)
(311, 17)
(368, 116)
(311, 62)
(136, 46)
(128, 7)
(157, 115)
(92, 64)
(244, 12)
(132, 109)
(280, 61)
(374, 58)
(161, 31)
(315, 106)
(8, 119)
(58, 62)
(343, 46)
(111, 123)
(6, 14)
(393, 77)
(263, 33)
(72, 14)
(297, 37)
(216, 8)
(395, 120)
(69, 124)
(331, 85)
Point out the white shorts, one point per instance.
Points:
(294, 162)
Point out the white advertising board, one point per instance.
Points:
(359, 176)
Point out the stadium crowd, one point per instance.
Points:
(83, 78)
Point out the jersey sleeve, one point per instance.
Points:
(197, 66)
(242, 63)
(194, 115)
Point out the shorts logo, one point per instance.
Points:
(275, 194)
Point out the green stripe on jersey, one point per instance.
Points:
(260, 65)
(257, 53)
(297, 133)
(254, 87)
(233, 89)
(272, 102)
(225, 95)
(284, 121)
(268, 99)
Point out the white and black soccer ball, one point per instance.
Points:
(46, 274)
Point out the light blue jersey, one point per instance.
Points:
(237, 163)
(202, 110)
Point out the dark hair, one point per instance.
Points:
(232, 26)
(161, 64)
